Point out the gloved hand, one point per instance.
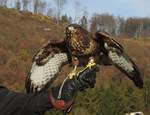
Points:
(87, 78)
(84, 80)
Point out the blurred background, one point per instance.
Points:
(25, 25)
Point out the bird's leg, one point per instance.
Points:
(73, 73)
(91, 63)
(75, 62)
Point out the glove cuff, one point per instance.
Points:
(60, 103)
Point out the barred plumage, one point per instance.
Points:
(80, 44)
(116, 54)
(41, 75)
(121, 61)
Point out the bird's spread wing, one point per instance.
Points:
(41, 76)
(126, 65)
(45, 53)
(115, 52)
(104, 37)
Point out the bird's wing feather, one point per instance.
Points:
(124, 63)
(42, 55)
(104, 37)
(40, 76)
(45, 53)
(115, 52)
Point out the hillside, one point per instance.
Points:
(138, 50)
(23, 33)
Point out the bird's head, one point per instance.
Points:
(72, 29)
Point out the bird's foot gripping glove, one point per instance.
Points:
(62, 97)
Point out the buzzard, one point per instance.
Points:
(104, 48)
(79, 47)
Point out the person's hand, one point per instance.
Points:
(62, 96)
(87, 78)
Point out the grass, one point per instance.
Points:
(23, 33)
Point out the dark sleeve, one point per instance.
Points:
(12, 103)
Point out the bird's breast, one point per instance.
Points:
(82, 47)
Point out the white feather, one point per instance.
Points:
(71, 28)
(106, 45)
(121, 61)
(41, 75)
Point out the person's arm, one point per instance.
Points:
(85, 79)
(13, 103)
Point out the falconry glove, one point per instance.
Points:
(84, 80)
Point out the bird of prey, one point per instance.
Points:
(79, 45)
(82, 44)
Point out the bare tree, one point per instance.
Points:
(120, 24)
(84, 19)
(18, 5)
(35, 6)
(3, 3)
(84, 22)
(104, 22)
(42, 7)
(50, 12)
(39, 6)
(59, 5)
(94, 23)
(25, 4)
(77, 7)
(133, 27)
(137, 27)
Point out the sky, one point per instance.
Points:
(123, 8)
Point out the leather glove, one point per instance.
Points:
(84, 80)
